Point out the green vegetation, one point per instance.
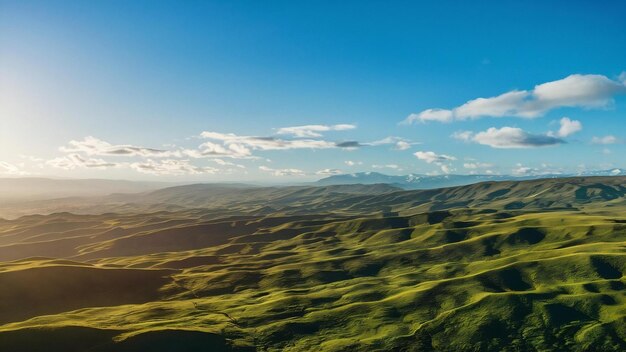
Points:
(508, 266)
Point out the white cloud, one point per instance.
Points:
(398, 142)
(446, 168)
(329, 172)
(282, 172)
(387, 166)
(441, 160)
(74, 160)
(502, 105)
(432, 157)
(439, 115)
(353, 163)
(605, 140)
(243, 144)
(94, 146)
(508, 137)
(313, 130)
(477, 165)
(212, 150)
(228, 163)
(465, 136)
(568, 127)
(585, 91)
(521, 170)
(10, 169)
(171, 167)
(402, 145)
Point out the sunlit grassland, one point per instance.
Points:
(455, 279)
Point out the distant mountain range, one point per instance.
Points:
(417, 181)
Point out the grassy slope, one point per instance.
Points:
(425, 273)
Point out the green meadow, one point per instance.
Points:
(499, 266)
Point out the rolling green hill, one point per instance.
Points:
(497, 266)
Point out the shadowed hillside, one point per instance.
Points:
(498, 266)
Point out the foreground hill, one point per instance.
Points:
(499, 266)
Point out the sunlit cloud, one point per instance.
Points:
(282, 172)
(577, 90)
(93, 146)
(442, 160)
(521, 170)
(609, 139)
(74, 161)
(228, 163)
(387, 166)
(353, 163)
(568, 127)
(215, 150)
(313, 130)
(172, 167)
(244, 143)
(432, 157)
(477, 165)
(508, 138)
(10, 169)
(399, 143)
(329, 172)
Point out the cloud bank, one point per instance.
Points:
(584, 91)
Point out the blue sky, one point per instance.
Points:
(201, 90)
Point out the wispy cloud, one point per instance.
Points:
(432, 157)
(329, 172)
(399, 143)
(228, 163)
(508, 138)
(477, 165)
(352, 163)
(442, 160)
(172, 167)
(521, 170)
(74, 161)
(10, 169)
(387, 166)
(478, 168)
(282, 172)
(313, 130)
(215, 150)
(609, 139)
(586, 91)
(93, 146)
(246, 143)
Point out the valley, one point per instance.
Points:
(497, 266)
